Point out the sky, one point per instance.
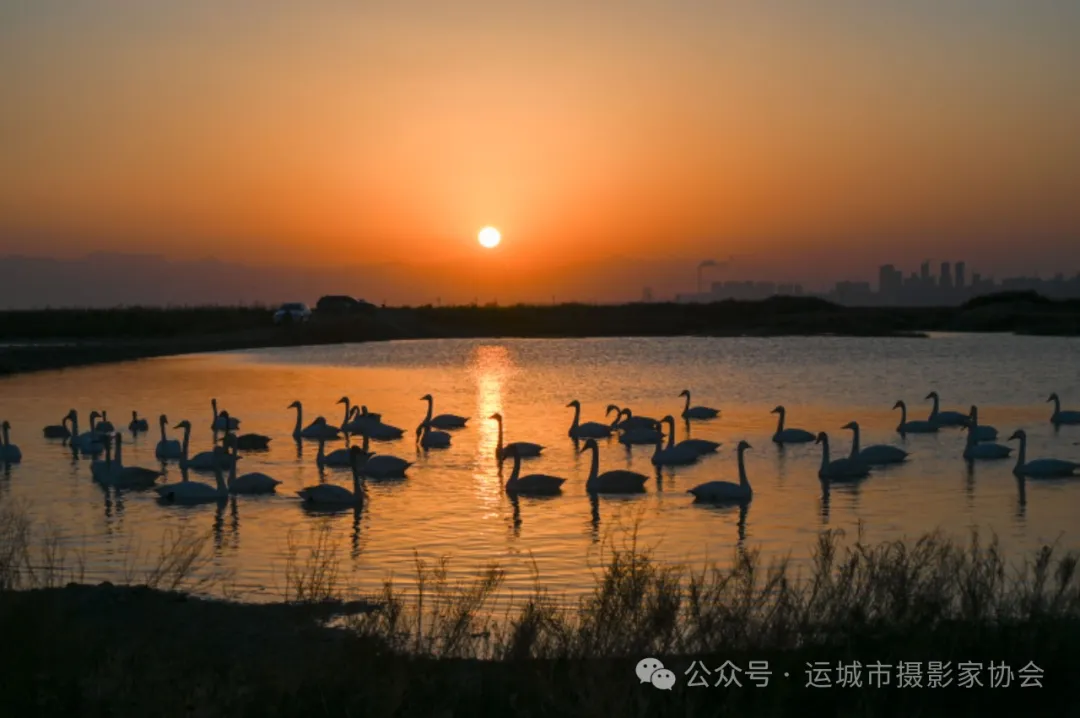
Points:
(816, 138)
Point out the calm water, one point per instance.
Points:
(453, 502)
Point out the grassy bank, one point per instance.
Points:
(453, 649)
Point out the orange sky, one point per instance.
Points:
(328, 133)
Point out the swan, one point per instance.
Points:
(641, 435)
(980, 432)
(535, 484)
(915, 426)
(373, 416)
(247, 442)
(373, 428)
(726, 490)
(204, 460)
(442, 421)
(129, 477)
(1040, 468)
(9, 453)
(104, 426)
(88, 442)
(384, 466)
(429, 439)
(631, 421)
(195, 492)
(59, 431)
(167, 448)
(701, 446)
(345, 423)
(333, 495)
(618, 481)
(341, 457)
(876, 455)
(789, 436)
(697, 412)
(974, 449)
(672, 455)
(840, 469)
(522, 449)
(317, 429)
(1060, 417)
(944, 418)
(136, 424)
(100, 468)
(221, 423)
(254, 482)
(588, 430)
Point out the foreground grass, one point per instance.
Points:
(451, 648)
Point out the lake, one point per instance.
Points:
(453, 503)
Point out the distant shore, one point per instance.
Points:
(60, 338)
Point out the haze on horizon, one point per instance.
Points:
(820, 139)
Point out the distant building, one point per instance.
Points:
(945, 278)
(890, 283)
(924, 274)
(959, 268)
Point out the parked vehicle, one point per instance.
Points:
(342, 304)
(292, 312)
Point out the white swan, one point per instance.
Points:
(1040, 468)
(221, 423)
(1060, 417)
(341, 457)
(631, 421)
(167, 448)
(136, 424)
(9, 453)
(672, 455)
(317, 429)
(617, 481)
(974, 449)
(384, 466)
(429, 439)
(980, 432)
(522, 449)
(372, 427)
(104, 426)
(58, 431)
(697, 412)
(442, 421)
(641, 435)
(944, 418)
(129, 477)
(88, 442)
(333, 495)
(195, 492)
(726, 490)
(876, 455)
(915, 426)
(254, 482)
(588, 430)
(535, 484)
(839, 469)
(100, 468)
(204, 460)
(788, 436)
(701, 446)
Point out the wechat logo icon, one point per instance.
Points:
(651, 670)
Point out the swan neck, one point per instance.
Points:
(299, 419)
(119, 443)
(577, 416)
(855, 440)
(743, 480)
(499, 448)
(687, 407)
(517, 470)
(1021, 457)
(594, 466)
(430, 409)
(162, 425)
(824, 453)
(1057, 406)
(780, 422)
(671, 434)
(187, 439)
(348, 412)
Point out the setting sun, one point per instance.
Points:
(489, 237)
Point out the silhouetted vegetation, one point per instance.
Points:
(106, 335)
(454, 649)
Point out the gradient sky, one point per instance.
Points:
(345, 132)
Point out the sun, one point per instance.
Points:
(489, 237)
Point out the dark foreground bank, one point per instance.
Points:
(51, 339)
(928, 628)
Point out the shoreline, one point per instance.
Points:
(58, 339)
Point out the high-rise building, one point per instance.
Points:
(945, 279)
(890, 282)
(924, 274)
(959, 268)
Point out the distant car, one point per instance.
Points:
(293, 312)
(342, 304)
